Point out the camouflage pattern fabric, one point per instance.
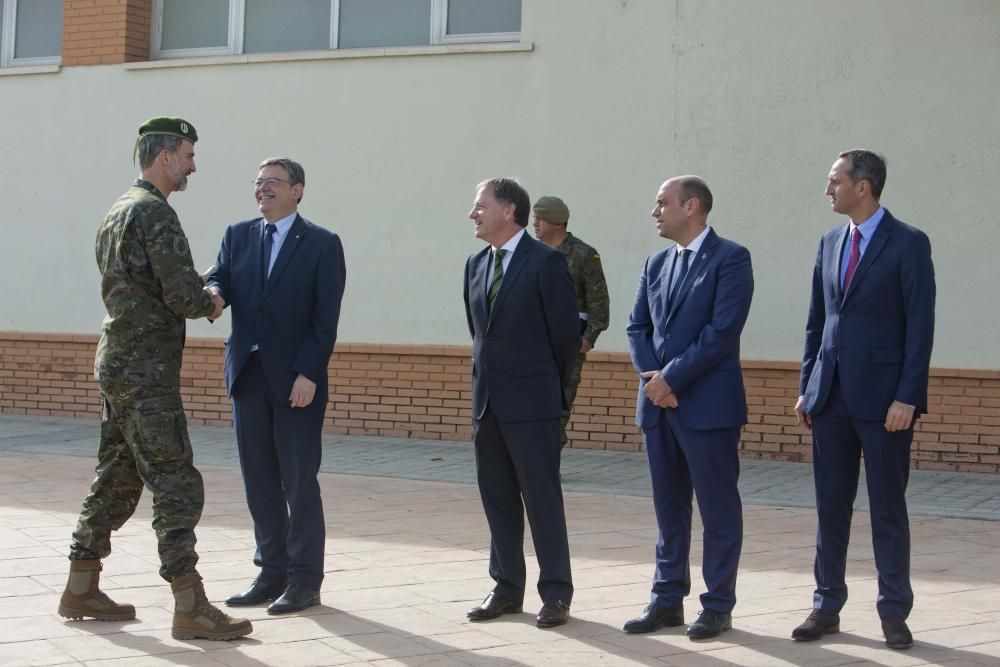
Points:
(591, 287)
(591, 298)
(144, 441)
(149, 286)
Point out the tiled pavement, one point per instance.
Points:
(406, 555)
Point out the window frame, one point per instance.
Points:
(237, 27)
(439, 29)
(8, 25)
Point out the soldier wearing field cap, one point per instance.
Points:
(150, 287)
(551, 222)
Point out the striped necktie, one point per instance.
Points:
(491, 293)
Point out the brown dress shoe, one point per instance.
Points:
(818, 623)
(492, 607)
(553, 613)
(897, 635)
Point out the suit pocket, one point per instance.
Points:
(887, 355)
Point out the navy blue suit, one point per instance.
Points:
(694, 447)
(293, 321)
(863, 350)
(522, 357)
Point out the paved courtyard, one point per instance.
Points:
(407, 546)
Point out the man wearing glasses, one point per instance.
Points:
(283, 279)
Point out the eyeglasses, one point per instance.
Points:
(269, 182)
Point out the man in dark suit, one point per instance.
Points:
(283, 278)
(521, 309)
(684, 338)
(863, 385)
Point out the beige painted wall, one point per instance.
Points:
(758, 97)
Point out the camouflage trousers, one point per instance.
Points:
(570, 394)
(144, 442)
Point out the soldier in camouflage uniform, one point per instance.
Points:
(551, 222)
(149, 286)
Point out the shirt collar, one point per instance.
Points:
(512, 243)
(869, 226)
(146, 185)
(282, 226)
(695, 245)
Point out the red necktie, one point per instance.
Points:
(852, 260)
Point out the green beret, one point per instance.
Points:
(177, 127)
(552, 209)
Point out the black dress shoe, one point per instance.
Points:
(295, 598)
(709, 624)
(552, 613)
(493, 606)
(818, 623)
(260, 591)
(654, 617)
(897, 635)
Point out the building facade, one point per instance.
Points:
(398, 108)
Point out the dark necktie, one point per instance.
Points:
(265, 255)
(678, 278)
(491, 293)
(853, 258)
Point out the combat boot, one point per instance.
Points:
(196, 618)
(84, 599)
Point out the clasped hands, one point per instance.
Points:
(217, 302)
(657, 390)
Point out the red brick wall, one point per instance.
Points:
(105, 32)
(423, 392)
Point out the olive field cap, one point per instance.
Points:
(552, 209)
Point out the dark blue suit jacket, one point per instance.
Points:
(522, 355)
(293, 319)
(881, 332)
(696, 344)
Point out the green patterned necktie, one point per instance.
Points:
(491, 293)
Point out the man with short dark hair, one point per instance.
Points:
(520, 307)
(551, 228)
(863, 385)
(283, 278)
(684, 337)
(149, 287)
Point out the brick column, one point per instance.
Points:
(105, 32)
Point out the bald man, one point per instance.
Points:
(684, 337)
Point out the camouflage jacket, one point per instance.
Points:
(149, 286)
(591, 287)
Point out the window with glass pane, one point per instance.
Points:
(290, 25)
(38, 29)
(466, 17)
(194, 24)
(384, 23)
